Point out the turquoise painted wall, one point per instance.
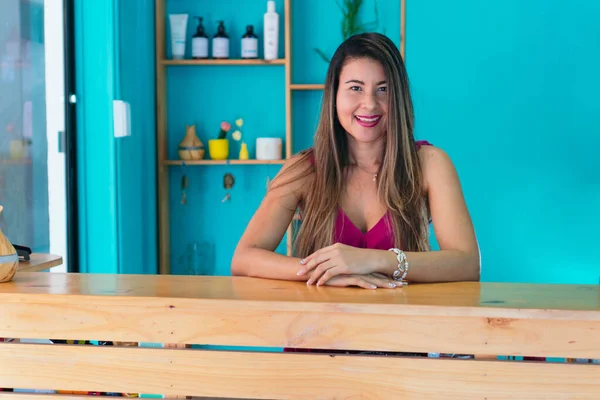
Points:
(136, 155)
(117, 179)
(95, 143)
(507, 89)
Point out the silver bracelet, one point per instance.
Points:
(402, 269)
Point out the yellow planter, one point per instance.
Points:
(218, 149)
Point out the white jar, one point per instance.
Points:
(268, 148)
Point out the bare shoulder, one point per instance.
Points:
(295, 175)
(436, 165)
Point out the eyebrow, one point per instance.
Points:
(362, 83)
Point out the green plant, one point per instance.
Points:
(225, 127)
(350, 21)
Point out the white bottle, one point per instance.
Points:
(271, 32)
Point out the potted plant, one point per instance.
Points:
(219, 148)
(351, 24)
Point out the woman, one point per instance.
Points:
(366, 192)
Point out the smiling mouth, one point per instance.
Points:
(368, 121)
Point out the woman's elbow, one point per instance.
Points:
(475, 267)
(237, 264)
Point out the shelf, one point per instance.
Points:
(24, 161)
(310, 86)
(225, 162)
(223, 62)
(164, 69)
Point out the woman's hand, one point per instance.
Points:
(370, 281)
(339, 259)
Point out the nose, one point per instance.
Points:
(369, 101)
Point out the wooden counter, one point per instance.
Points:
(39, 262)
(464, 318)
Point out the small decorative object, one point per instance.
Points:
(184, 185)
(191, 147)
(9, 260)
(237, 136)
(268, 148)
(228, 181)
(244, 152)
(219, 148)
(350, 22)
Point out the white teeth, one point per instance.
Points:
(373, 119)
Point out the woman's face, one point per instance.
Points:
(362, 99)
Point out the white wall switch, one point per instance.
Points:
(122, 118)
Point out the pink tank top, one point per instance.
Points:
(380, 236)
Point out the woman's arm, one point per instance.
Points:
(458, 258)
(255, 253)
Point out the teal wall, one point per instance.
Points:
(509, 90)
(506, 88)
(95, 143)
(117, 178)
(136, 155)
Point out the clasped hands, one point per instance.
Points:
(342, 265)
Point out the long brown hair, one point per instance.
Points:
(400, 186)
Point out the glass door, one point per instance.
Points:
(35, 145)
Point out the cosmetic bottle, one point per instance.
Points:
(220, 44)
(249, 43)
(199, 42)
(271, 32)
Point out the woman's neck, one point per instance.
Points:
(366, 155)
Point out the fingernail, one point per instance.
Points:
(392, 284)
(302, 261)
(373, 287)
(300, 272)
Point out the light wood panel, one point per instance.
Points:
(289, 108)
(403, 29)
(232, 62)
(253, 312)
(302, 86)
(39, 262)
(454, 299)
(43, 396)
(287, 376)
(225, 162)
(164, 228)
(256, 325)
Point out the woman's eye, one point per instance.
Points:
(355, 88)
(382, 89)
